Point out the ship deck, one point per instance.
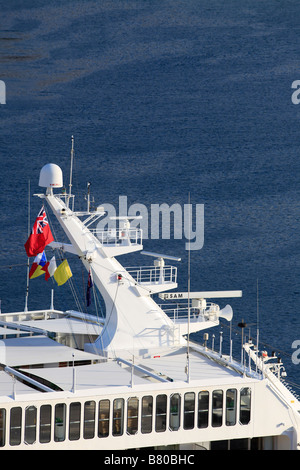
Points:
(50, 362)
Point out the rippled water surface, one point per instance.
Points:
(163, 98)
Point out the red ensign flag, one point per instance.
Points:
(40, 235)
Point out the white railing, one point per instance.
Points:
(131, 236)
(67, 198)
(180, 312)
(153, 274)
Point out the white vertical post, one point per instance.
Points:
(221, 341)
(52, 300)
(28, 267)
(74, 375)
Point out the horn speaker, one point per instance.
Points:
(226, 313)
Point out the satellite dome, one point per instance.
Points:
(51, 176)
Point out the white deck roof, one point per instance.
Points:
(173, 365)
(169, 365)
(64, 325)
(7, 386)
(39, 350)
(111, 374)
(107, 374)
(11, 331)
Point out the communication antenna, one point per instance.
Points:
(242, 325)
(149, 253)
(189, 290)
(88, 197)
(71, 171)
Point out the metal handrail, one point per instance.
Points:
(112, 236)
(153, 274)
(182, 312)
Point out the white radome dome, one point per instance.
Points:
(51, 176)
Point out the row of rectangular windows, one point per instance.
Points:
(211, 410)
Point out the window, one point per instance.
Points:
(161, 413)
(231, 407)
(2, 426)
(45, 423)
(60, 422)
(15, 426)
(175, 411)
(89, 420)
(74, 421)
(189, 410)
(217, 408)
(245, 405)
(103, 422)
(30, 424)
(147, 407)
(132, 415)
(203, 404)
(118, 416)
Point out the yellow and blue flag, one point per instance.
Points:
(37, 266)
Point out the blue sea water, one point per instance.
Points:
(164, 98)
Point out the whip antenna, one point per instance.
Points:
(71, 171)
(189, 289)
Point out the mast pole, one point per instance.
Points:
(88, 196)
(28, 230)
(71, 170)
(189, 289)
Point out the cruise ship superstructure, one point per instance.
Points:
(134, 379)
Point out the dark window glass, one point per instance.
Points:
(118, 416)
(30, 424)
(217, 408)
(175, 411)
(189, 410)
(74, 421)
(231, 407)
(15, 426)
(45, 423)
(203, 407)
(161, 413)
(103, 420)
(89, 420)
(245, 405)
(132, 415)
(147, 409)
(2, 426)
(60, 422)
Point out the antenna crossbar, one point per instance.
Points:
(159, 255)
(200, 295)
